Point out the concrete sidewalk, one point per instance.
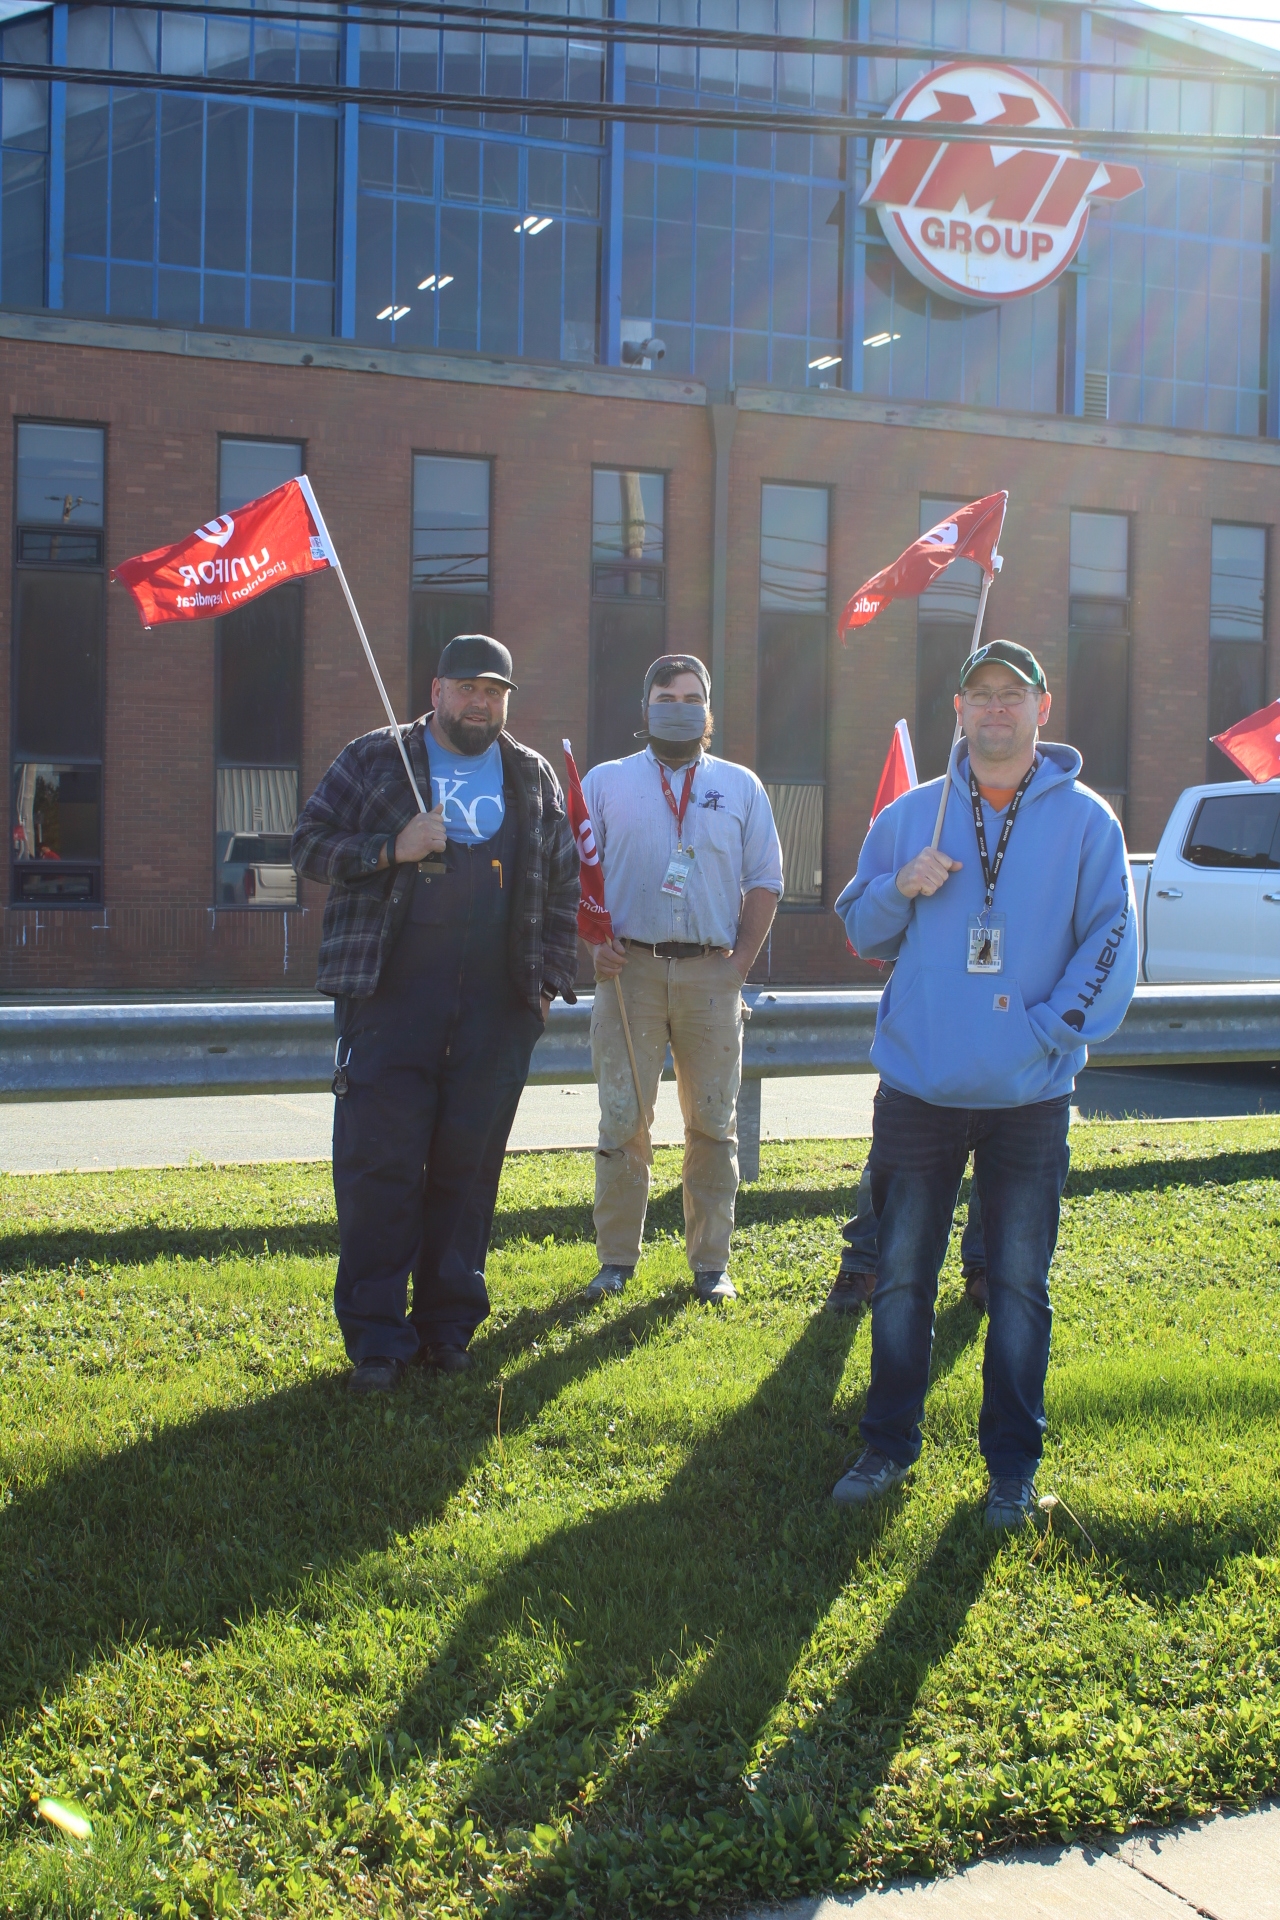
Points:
(1223, 1869)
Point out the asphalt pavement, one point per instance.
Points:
(41, 1136)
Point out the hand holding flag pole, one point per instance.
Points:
(594, 921)
(972, 533)
(216, 570)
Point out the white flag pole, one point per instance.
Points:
(331, 555)
(987, 578)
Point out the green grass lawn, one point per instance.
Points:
(298, 1653)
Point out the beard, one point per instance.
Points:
(467, 736)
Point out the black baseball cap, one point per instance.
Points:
(1006, 653)
(474, 656)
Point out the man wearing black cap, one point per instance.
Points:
(693, 873)
(1014, 948)
(446, 937)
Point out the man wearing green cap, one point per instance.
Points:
(1014, 947)
(446, 937)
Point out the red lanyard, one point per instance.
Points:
(683, 808)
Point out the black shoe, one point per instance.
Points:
(872, 1475)
(975, 1287)
(375, 1376)
(850, 1292)
(609, 1280)
(444, 1359)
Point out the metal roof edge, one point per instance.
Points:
(340, 356)
(1046, 428)
(1214, 42)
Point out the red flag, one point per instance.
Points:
(594, 923)
(1254, 743)
(972, 533)
(899, 773)
(230, 561)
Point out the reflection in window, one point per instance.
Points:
(24, 167)
(58, 611)
(1098, 651)
(450, 581)
(628, 601)
(258, 707)
(792, 679)
(946, 612)
(1237, 634)
(1238, 830)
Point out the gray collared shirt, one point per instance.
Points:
(728, 826)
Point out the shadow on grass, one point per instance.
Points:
(709, 1591)
(1143, 1176)
(180, 1535)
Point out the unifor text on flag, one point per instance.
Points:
(972, 532)
(594, 921)
(230, 561)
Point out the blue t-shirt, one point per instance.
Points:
(470, 786)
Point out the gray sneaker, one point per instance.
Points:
(714, 1288)
(871, 1476)
(608, 1280)
(1010, 1503)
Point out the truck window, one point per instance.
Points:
(1235, 830)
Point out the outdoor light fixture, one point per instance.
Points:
(532, 224)
(881, 339)
(445, 280)
(428, 282)
(393, 312)
(638, 353)
(824, 361)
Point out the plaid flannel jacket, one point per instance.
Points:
(364, 797)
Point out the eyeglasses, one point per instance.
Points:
(1010, 698)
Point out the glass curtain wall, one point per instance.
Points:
(450, 585)
(58, 622)
(481, 230)
(1237, 634)
(258, 707)
(200, 211)
(732, 242)
(791, 728)
(628, 602)
(1098, 652)
(24, 168)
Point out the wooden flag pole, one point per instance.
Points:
(332, 555)
(631, 1053)
(955, 738)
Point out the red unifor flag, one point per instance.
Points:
(232, 560)
(1254, 743)
(972, 533)
(898, 774)
(594, 923)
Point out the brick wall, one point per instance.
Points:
(164, 413)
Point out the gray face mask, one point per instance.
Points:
(676, 720)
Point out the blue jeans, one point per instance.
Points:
(862, 1234)
(918, 1155)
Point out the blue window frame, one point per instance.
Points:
(24, 169)
(199, 211)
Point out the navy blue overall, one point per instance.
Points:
(438, 1059)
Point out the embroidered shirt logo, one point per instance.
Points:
(712, 800)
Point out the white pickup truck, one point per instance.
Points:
(1208, 899)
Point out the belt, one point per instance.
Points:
(673, 949)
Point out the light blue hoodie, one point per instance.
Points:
(1071, 944)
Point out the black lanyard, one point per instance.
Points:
(991, 868)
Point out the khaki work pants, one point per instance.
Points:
(697, 1006)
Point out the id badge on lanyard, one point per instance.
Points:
(985, 933)
(680, 866)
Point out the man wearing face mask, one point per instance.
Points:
(693, 870)
(446, 937)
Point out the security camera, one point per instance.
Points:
(639, 353)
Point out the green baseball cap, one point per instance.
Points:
(1006, 653)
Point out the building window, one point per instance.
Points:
(1098, 651)
(450, 583)
(258, 707)
(628, 601)
(1237, 634)
(59, 607)
(24, 168)
(946, 612)
(791, 731)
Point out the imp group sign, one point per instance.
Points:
(985, 221)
